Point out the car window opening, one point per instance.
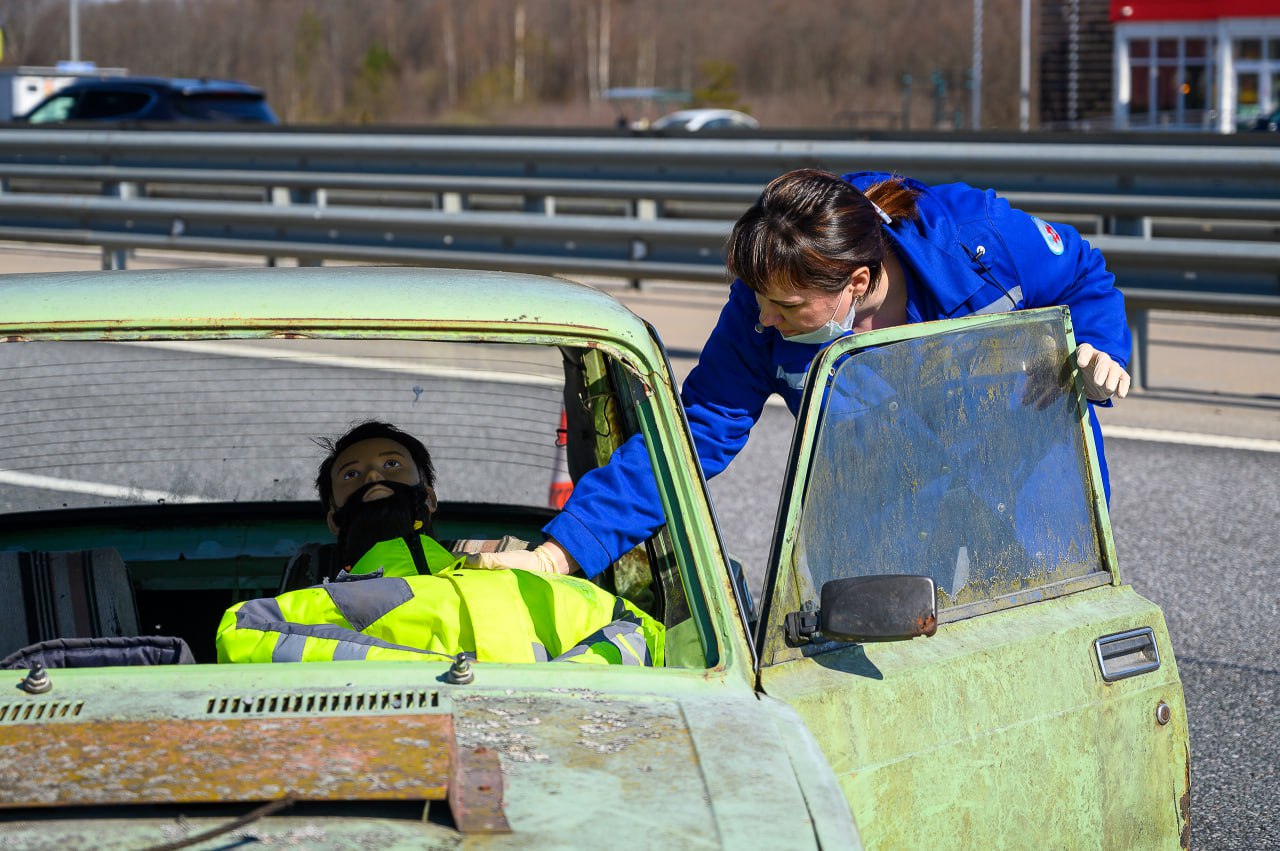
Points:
(177, 486)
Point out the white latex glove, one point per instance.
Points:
(545, 558)
(1103, 377)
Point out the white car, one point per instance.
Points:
(695, 120)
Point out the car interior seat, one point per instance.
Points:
(75, 608)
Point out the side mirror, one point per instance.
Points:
(869, 608)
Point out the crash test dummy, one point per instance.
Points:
(401, 595)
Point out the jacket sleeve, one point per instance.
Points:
(612, 509)
(725, 393)
(1076, 276)
(616, 507)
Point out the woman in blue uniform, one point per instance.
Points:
(820, 256)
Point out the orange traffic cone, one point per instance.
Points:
(561, 484)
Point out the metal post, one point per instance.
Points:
(646, 209)
(939, 98)
(975, 96)
(1073, 63)
(1138, 321)
(1024, 70)
(117, 258)
(74, 31)
(278, 196)
(906, 100)
(544, 205)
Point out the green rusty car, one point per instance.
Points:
(943, 655)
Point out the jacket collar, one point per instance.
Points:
(931, 252)
(394, 559)
(929, 246)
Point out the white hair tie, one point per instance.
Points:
(884, 217)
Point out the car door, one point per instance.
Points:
(1046, 709)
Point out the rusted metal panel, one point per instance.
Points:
(475, 793)
(393, 757)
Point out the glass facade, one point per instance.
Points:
(1219, 75)
(1170, 80)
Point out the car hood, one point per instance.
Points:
(386, 755)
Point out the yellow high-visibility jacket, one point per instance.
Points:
(387, 610)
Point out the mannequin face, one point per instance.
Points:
(368, 461)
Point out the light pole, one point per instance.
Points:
(975, 95)
(1024, 71)
(73, 27)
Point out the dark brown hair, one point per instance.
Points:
(811, 230)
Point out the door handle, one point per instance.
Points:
(1127, 654)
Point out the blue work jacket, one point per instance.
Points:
(967, 252)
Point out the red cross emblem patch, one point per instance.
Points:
(1050, 235)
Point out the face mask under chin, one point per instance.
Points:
(362, 524)
(831, 330)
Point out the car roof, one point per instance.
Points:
(185, 302)
(181, 84)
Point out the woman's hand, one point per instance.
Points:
(549, 557)
(1103, 377)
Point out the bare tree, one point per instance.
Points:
(791, 62)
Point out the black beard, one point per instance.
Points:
(362, 524)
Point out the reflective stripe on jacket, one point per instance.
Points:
(386, 610)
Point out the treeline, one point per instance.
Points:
(791, 63)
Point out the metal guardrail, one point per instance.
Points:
(498, 201)
(606, 245)
(743, 160)
(456, 192)
(1140, 302)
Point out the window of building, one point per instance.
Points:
(1248, 101)
(1257, 78)
(1248, 49)
(1170, 81)
(1140, 93)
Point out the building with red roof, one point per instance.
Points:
(1210, 65)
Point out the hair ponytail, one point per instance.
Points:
(894, 196)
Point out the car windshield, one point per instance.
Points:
(959, 456)
(56, 108)
(113, 424)
(193, 462)
(674, 122)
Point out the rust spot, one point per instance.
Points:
(15, 338)
(1184, 803)
(475, 795)
(927, 625)
(404, 757)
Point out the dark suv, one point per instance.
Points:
(153, 99)
(1268, 123)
